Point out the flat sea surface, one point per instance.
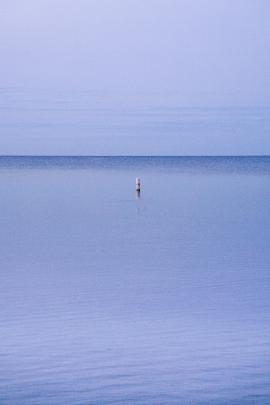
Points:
(109, 297)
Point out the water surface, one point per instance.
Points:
(110, 298)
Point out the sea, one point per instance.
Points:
(109, 296)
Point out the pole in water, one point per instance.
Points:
(138, 186)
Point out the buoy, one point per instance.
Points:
(138, 184)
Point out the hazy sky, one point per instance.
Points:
(160, 52)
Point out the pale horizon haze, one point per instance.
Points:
(134, 77)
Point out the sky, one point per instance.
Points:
(131, 58)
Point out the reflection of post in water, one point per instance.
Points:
(138, 187)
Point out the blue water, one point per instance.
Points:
(110, 297)
(83, 122)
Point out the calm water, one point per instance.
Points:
(83, 122)
(110, 298)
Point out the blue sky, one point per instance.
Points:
(136, 54)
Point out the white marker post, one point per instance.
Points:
(138, 184)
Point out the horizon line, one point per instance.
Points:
(132, 156)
